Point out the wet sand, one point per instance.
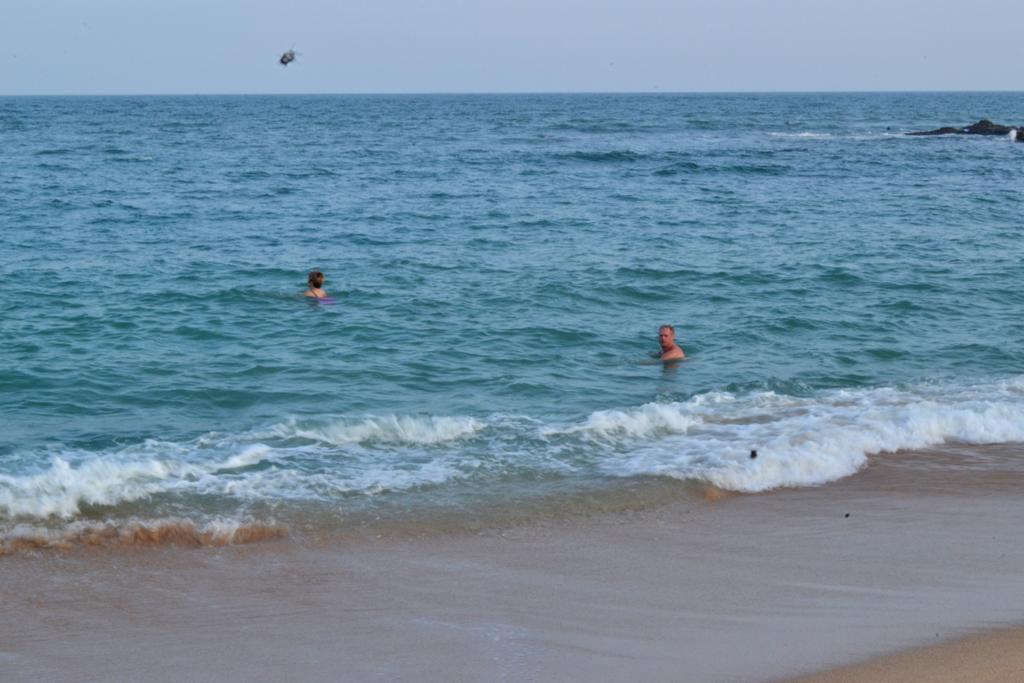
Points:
(746, 588)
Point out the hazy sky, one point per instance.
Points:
(232, 46)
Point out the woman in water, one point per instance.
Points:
(316, 283)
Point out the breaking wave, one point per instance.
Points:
(293, 460)
(648, 421)
(62, 489)
(390, 429)
(344, 461)
(800, 441)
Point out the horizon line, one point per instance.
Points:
(483, 93)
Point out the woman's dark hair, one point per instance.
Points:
(316, 279)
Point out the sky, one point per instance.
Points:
(53, 47)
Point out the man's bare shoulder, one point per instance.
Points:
(673, 354)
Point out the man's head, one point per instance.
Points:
(315, 279)
(666, 337)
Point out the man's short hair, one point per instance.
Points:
(667, 327)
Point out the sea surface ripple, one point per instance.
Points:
(500, 265)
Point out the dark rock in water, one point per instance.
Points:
(939, 131)
(986, 127)
(983, 127)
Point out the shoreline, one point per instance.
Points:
(752, 587)
(957, 470)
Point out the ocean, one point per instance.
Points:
(500, 266)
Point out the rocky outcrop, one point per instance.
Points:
(983, 127)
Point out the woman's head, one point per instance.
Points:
(316, 279)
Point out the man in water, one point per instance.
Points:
(669, 349)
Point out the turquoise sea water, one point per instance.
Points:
(501, 265)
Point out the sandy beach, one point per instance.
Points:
(987, 658)
(743, 588)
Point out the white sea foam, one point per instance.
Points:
(366, 476)
(650, 420)
(815, 440)
(388, 429)
(62, 489)
(344, 457)
(251, 455)
(801, 440)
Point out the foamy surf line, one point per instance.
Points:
(139, 533)
(343, 462)
(800, 441)
(294, 460)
